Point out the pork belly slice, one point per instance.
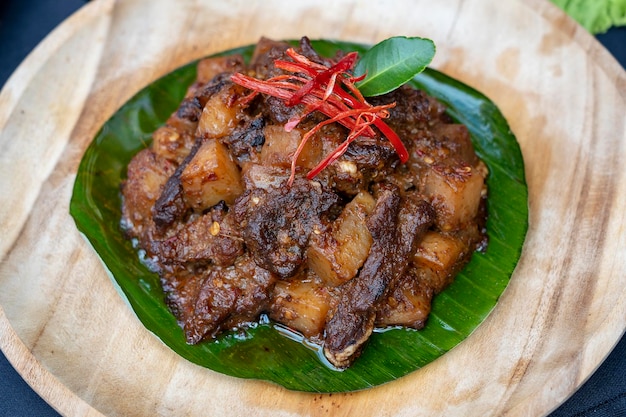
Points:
(301, 305)
(396, 225)
(409, 301)
(337, 256)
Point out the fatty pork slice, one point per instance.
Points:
(207, 176)
(456, 193)
(207, 302)
(436, 261)
(337, 255)
(301, 305)
(396, 225)
(210, 176)
(222, 111)
(175, 139)
(280, 146)
(277, 222)
(450, 175)
(409, 302)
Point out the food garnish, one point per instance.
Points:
(320, 87)
(392, 62)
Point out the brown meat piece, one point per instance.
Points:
(414, 110)
(147, 175)
(205, 303)
(171, 206)
(409, 300)
(185, 118)
(209, 68)
(366, 160)
(211, 238)
(277, 222)
(217, 84)
(266, 51)
(245, 142)
(396, 225)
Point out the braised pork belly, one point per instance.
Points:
(236, 229)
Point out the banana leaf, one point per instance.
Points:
(270, 352)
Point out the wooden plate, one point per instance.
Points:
(68, 332)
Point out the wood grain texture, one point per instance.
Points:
(68, 332)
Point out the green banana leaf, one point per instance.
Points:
(268, 351)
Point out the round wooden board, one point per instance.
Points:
(68, 332)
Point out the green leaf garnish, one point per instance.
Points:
(392, 62)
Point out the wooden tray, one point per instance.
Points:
(71, 336)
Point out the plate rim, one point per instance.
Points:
(29, 368)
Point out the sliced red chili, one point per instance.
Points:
(321, 88)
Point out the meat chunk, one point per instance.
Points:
(146, 178)
(246, 141)
(455, 192)
(210, 68)
(442, 256)
(185, 119)
(277, 222)
(171, 205)
(408, 302)
(301, 305)
(172, 144)
(212, 238)
(266, 52)
(210, 176)
(337, 255)
(221, 113)
(366, 161)
(264, 177)
(414, 111)
(280, 146)
(218, 298)
(396, 225)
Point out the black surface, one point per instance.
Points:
(23, 24)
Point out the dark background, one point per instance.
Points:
(23, 24)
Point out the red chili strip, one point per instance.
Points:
(324, 77)
(284, 91)
(319, 88)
